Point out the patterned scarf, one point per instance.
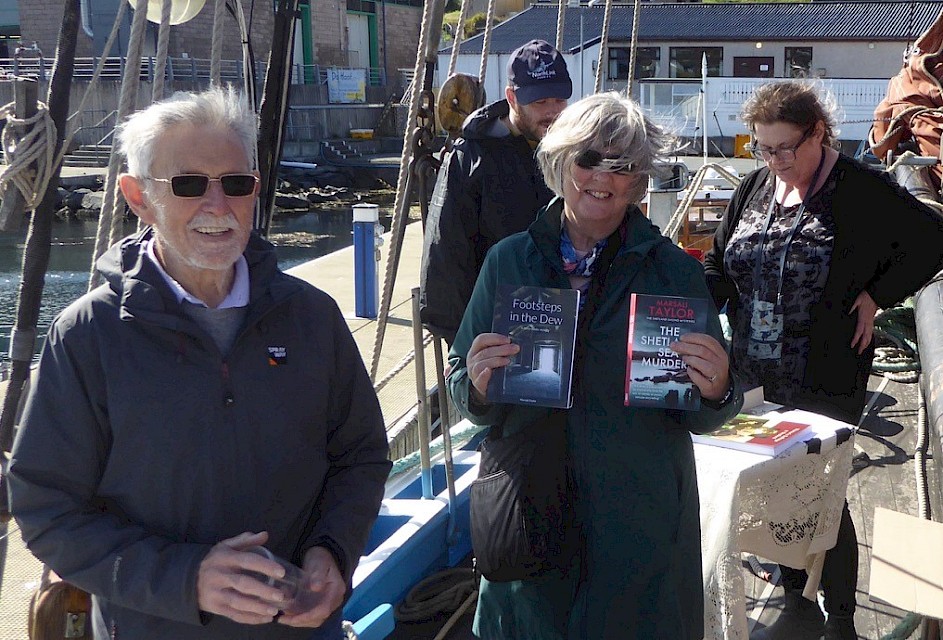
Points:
(585, 266)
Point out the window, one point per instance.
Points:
(362, 6)
(798, 62)
(686, 61)
(646, 63)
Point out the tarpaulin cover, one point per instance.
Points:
(913, 106)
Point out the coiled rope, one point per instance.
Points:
(348, 628)
(897, 326)
(448, 591)
(25, 141)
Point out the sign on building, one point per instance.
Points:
(346, 85)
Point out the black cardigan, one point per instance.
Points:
(886, 242)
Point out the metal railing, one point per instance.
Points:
(675, 102)
(318, 74)
(178, 68)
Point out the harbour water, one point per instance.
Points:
(298, 238)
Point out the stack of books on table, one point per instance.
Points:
(759, 429)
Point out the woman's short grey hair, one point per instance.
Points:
(609, 123)
(802, 104)
(217, 108)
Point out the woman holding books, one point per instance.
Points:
(808, 249)
(636, 563)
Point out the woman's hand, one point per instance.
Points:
(707, 363)
(487, 352)
(864, 327)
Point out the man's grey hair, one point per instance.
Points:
(608, 123)
(217, 108)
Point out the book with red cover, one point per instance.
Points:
(756, 435)
(655, 376)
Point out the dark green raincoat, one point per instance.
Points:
(639, 570)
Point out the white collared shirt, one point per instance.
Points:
(238, 295)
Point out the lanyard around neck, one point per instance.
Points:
(767, 222)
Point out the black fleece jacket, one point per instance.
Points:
(488, 188)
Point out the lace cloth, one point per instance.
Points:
(785, 509)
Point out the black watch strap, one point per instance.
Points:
(717, 404)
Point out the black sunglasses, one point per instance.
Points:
(592, 160)
(194, 185)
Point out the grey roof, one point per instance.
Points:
(812, 21)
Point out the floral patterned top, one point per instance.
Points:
(805, 272)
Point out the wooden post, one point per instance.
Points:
(36, 255)
(273, 108)
(25, 94)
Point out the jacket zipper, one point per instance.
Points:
(228, 399)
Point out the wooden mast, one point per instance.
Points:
(36, 254)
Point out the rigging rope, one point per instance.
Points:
(409, 357)
(457, 36)
(216, 51)
(163, 45)
(634, 47)
(113, 200)
(38, 142)
(403, 185)
(486, 44)
(603, 41)
(25, 141)
(561, 19)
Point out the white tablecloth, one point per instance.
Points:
(784, 509)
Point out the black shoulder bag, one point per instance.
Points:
(522, 514)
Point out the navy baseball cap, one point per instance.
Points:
(537, 71)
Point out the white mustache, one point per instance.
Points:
(213, 222)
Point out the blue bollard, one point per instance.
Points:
(367, 240)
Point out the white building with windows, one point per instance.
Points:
(853, 47)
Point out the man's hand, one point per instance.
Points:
(327, 585)
(223, 586)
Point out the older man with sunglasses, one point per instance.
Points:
(198, 404)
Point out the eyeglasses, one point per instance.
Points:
(194, 185)
(592, 160)
(786, 154)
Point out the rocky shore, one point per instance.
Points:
(299, 191)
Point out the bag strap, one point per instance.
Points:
(594, 298)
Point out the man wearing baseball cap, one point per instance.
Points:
(489, 186)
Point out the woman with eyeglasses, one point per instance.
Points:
(635, 568)
(808, 249)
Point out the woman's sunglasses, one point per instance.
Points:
(194, 185)
(592, 160)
